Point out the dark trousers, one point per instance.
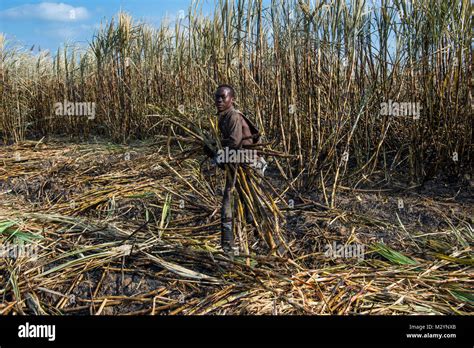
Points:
(227, 233)
(226, 210)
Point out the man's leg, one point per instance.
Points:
(227, 233)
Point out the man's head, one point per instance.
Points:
(224, 97)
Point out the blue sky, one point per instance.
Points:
(49, 24)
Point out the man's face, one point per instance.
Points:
(223, 99)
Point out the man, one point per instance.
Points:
(236, 133)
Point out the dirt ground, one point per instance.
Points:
(86, 200)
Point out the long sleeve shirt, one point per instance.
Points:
(234, 129)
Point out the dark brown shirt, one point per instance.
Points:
(234, 129)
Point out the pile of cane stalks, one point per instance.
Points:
(250, 189)
(101, 228)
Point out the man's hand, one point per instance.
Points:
(208, 151)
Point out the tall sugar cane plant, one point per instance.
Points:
(313, 74)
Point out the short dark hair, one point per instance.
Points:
(232, 91)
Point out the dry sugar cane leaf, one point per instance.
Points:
(180, 270)
(462, 261)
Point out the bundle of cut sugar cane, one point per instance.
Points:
(250, 191)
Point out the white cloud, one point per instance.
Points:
(48, 11)
(66, 31)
